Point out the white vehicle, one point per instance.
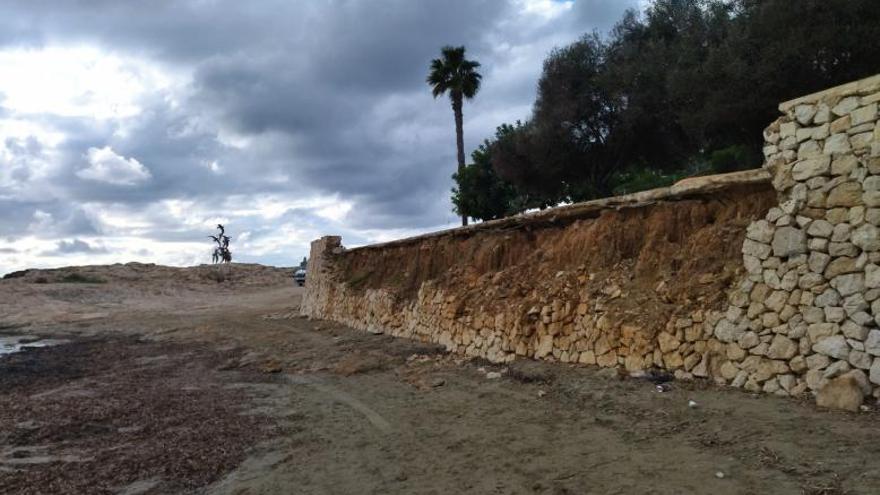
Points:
(299, 276)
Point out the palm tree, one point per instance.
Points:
(458, 76)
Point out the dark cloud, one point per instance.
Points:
(76, 246)
(293, 99)
(599, 15)
(47, 219)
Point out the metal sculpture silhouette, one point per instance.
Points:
(221, 252)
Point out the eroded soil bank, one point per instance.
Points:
(204, 388)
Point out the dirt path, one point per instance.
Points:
(230, 392)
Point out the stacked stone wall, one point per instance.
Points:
(808, 309)
(708, 278)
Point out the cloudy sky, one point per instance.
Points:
(129, 129)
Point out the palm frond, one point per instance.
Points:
(452, 72)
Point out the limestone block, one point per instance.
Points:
(846, 105)
(771, 278)
(818, 331)
(866, 237)
(855, 303)
(760, 231)
(788, 241)
(818, 244)
(841, 266)
(748, 340)
(834, 314)
(759, 293)
(842, 249)
(834, 346)
(672, 360)
(862, 140)
(849, 283)
(836, 369)
(752, 264)
(871, 198)
(847, 194)
(874, 374)
(803, 134)
(859, 129)
(842, 393)
(777, 300)
(770, 320)
(788, 129)
(843, 231)
(587, 357)
(782, 348)
(756, 249)
(811, 167)
(798, 364)
(821, 228)
(667, 342)
(837, 215)
(844, 165)
(863, 115)
(728, 370)
(816, 199)
(860, 359)
(872, 343)
(840, 125)
(805, 113)
(823, 113)
(828, 297)
(853, 330)
(607, 360)
(837, 144)
(817, 361)
(734, 352)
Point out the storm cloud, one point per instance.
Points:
(137, 126)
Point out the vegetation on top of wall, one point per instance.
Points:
(686, 86)
(79, 278)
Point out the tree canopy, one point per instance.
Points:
(682, 88)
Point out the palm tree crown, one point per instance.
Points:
(454, 73)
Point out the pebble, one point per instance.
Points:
(719, 475)
(493, 375)
(692, 404)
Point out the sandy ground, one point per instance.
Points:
(175, 382)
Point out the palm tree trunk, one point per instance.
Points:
(459, 141)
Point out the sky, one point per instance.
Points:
(130, 129)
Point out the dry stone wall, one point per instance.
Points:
(809, 307)
(767, 280)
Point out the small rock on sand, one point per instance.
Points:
(843, 393)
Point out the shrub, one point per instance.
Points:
(79, 278)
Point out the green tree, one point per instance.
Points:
(569, 149)
(481, 193)
(683, 88)
(452, 73)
